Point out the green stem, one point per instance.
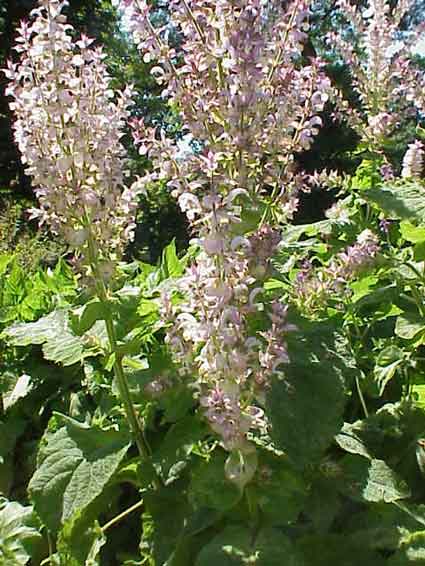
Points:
(418, 300)
(281, 51)
(362, 401)
(122, 382)
(122, 515)
(48, 560)
(125, 391)
(194, 21)
(349, 309)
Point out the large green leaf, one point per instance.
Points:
(210, 488)
(74, 466)
(59, 343)
(279, 490)
(411, 233)
(324, 503)
(371, 480)
(164, 522)
(171, 265)
(406, 201)
(384, 527)
(306, 407)
(390, 435)
(177, 446)
(84, 317)
(238, 546)
(409, 324)
(18, 534)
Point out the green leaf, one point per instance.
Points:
(273, 284)
(74, 465)
(411, 233)
(164, 524)
(177, 445)
(418, 393)
(367, 174)
(380, 526)
(363, 287)
(59, 343)
(22, 388)
(210, 488)
(148, 308)
(324, 503)
(171, 266)
(236, 546)
(371, 480)
(79, 544)
(349, 441)
(406, 201)
(279, 490)
(90, 313)
(409, 324)
(18, 534)
(410, 270)
(176, 403)
(391, 433)
(291, 234)
(387, 363)
(419, 251)
(306, 407)
(5, 260)
(412, 550)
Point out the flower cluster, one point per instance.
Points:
(314, 286)
(379, 61)
(209, 329)
(241, 94)
(69, 125)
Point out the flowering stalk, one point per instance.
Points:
(250, 106)
(379, 59)
(68, 128)
(313, 287)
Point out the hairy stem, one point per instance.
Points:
(122, 382)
